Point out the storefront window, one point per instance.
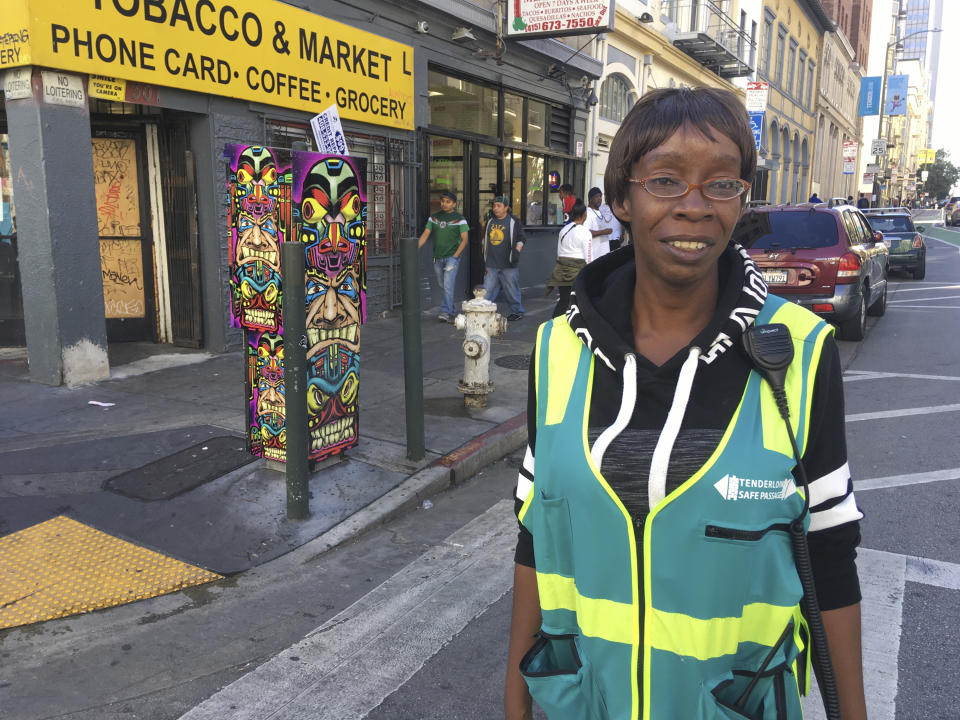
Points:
(509, 155)
(446, 169)
(513, 117)
(534, 189)
(536, 122)
(463, 105)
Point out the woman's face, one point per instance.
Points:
(679, 240)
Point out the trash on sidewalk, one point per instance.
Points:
(100, 404)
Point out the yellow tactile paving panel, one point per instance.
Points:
(62, 567)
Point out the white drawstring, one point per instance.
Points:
(627, 401)
(656, 489)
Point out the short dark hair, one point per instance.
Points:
(567, 188)
(594, 191)
(449, 194)
(578, 210)
(660, 113)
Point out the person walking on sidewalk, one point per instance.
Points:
(596, 223)
(574, 251)
(448, 229)
(663, 503)
(502, 242)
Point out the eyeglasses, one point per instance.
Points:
(667, 186)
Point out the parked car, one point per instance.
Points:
(950, 215)
(834, 201)
(828, 260)
(908, 251)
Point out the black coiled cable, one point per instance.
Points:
(823, 668)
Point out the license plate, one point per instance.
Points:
(775, 277)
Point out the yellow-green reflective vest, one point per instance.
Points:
(715, 582)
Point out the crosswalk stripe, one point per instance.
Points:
(891, 481)
(903, 412)
(883, 578)
(351, 663)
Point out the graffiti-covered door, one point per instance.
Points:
(126, 245)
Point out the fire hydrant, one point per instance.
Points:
(481, 321)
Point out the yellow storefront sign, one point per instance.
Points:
(265, 52)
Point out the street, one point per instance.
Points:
(410, 620)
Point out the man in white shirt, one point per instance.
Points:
(610, 220)
(598, 227)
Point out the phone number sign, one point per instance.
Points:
(537, 18)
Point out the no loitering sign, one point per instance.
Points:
(63, 89)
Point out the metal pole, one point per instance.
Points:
(295, 379)
(412, 348)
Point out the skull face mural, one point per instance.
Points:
(259, 207)
(332, 213)
(257, 182)
(267, 404)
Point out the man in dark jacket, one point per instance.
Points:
(502, 242)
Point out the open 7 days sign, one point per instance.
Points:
(527, 18)
(256, 50)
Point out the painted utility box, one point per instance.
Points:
(317, 200)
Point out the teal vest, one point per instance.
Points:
(715, 579)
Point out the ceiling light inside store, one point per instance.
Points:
(434, 93)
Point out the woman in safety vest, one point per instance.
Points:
(655, 569)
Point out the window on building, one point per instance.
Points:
(462, 104)
(800, 75)
(781, 49)
(615, 98)
(810, 67)
(767, 41)
(515, 159)
(791, 69)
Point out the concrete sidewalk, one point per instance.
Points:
(60, 446)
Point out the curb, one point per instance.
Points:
(453, 468)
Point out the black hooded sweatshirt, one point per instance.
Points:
(600, 315)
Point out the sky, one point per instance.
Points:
(947, 108)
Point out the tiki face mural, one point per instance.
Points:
(322, 199)
(331, 214)
(259, 215)
(267, 398)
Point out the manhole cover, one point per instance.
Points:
(182, 471)
(513, 362)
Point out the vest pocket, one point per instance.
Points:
(767, 700)
(560, 680)
(552, 542)
(759, 694)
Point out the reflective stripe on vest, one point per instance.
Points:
(712, 606)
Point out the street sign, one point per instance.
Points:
(878, 147)
(873, 167)
(757, 96)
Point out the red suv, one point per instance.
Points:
(826, 259)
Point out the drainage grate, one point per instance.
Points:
(513, 362)
(182, 471)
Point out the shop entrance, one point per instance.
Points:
(126, 241)
(476, 172)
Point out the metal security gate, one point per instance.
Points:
(178, 187)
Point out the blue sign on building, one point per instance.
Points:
(897, 88)
(756, 124)
(869, 96)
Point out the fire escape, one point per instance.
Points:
(702, 30)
